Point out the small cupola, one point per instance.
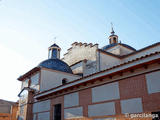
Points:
(54, 51)
(113, 39)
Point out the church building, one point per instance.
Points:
(92, 83)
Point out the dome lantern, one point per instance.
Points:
(113, 39)
(53, 62)
(54, 51)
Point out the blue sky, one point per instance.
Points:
(28, 27)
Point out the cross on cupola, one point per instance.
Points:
(113, 39)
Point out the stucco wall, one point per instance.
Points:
(125, 51)
(105, 92)
(51, 79)
(114, 50)
(80, 51)
(41, 106)
(77, 68)
(153, 82)
(142, 53)
(35, 81)
(71, 100)
(119, 50)
(107, 61)
(132, 105)
(44, 116)
(73, 113)
(90, 67)
(101, 109)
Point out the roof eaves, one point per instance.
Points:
(35, 69)
(126, 46)
(140, 50)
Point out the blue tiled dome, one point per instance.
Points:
(56, 64)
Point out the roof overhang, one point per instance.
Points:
(29, 73)
(141, 50)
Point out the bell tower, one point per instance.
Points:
(113, 39)
(54, 52)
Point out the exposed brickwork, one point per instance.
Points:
(85, 98)
(133, 87)
(118, 107)
(151, 102)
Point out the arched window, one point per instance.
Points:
(114, 40)
(64, 81)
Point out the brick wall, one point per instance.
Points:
(134, 97)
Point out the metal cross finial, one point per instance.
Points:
(112, 30)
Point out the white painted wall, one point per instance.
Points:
(114, 50)
(107, 61)
(125, 51)
(73, 112)
(35, 81)
(101, 109)
(105, 92)
(119, 50)
(142, 53)
(131, 105)
(71, 99)
(44, 116)
(41, 106)
(51, 79)
(24, 83)
(153, 82)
